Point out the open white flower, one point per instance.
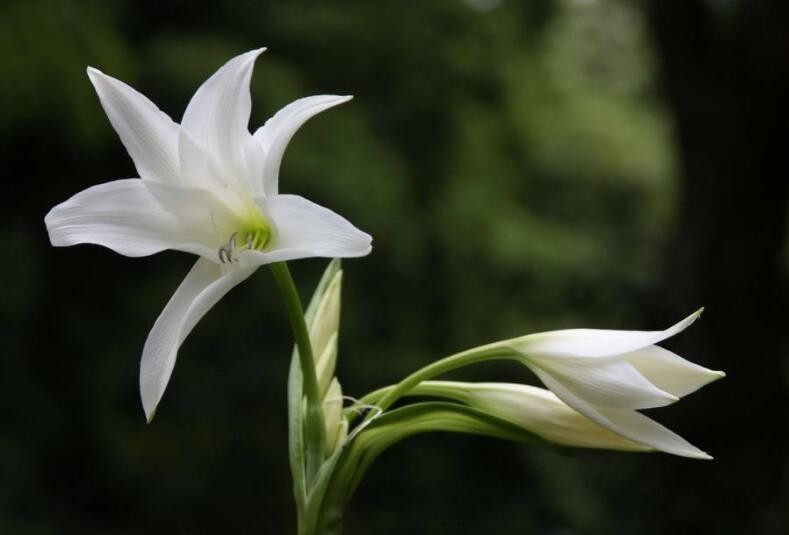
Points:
(607, 375)
(207, 187)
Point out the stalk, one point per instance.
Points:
(315, 431)
(385, 397)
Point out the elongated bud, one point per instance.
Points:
(534, 409)
(325, 364)
(323, 332)
(336, 424)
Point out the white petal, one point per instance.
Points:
(629, 424)
(608, 383)
(648, 431)
(670, 372)
(201, 213)
(122, 215)
(200, 290)
(275, 135)
(149, 135)
(217, 117)
(304, 229)
(595, 342)
(198, 166)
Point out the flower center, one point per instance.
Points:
(255, 234)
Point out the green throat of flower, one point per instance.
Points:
(254, 235)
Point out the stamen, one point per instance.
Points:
(226, 251)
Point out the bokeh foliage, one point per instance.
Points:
(514, 163)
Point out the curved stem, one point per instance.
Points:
(315, 430)
(439, 389)
(384, 398)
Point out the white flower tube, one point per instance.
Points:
(208, 187)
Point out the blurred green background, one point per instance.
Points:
(522, 165)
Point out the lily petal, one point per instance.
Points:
(595, 342)
(124, 216)
(198, 166)
(204, 285)
(628, 423)
(648, 431)
(217, 117)
(149, 135)
(305, 229)
(276, 133)
(615, 384)
(199, 211)
(670, 372)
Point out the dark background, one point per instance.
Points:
(521, 165)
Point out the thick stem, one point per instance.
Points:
(315, 431)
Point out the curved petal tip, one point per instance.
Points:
(150, 412)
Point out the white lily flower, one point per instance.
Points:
(207, 187)
(607, 375)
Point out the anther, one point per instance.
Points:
(226, 251)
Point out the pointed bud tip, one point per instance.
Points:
(149, 410)
(694, 453)
(93, 72)
(257, 51)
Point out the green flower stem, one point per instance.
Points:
(439, 389)
(384, 398)
(315, 430)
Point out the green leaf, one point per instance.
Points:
(296, 435)
(315, 505)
